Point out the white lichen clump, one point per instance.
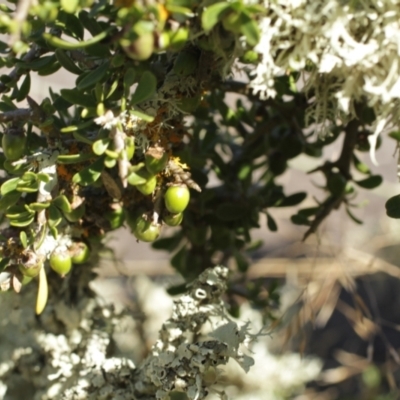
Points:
(345, 51)
(77, 365)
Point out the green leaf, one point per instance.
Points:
(178, 261)
(395, 135)
(9, 186)
(90, 174)
(169, 243)
(9, 200)
(100, 146)
(272, 226)
(25, 88)
(142, 115)
(360, 166)
(73, 158)
(24, 239)
(138, 175)
(241, 261)
(292, 200)
(94, 76)
(300, 219)
(249, 29)
(81, 138)
(353, 217)
(212, 15)
(62, 203)
(62, 44)
(371, 182)
(22, 222)
(392, 207)
(41, 62)
(54, 216)
(76, 97)
(67, 63)
(69, 6)
(39, 206)
(145, 89)
(90, 23)
(129, 77)
(336, 183)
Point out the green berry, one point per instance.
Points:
(173, 219)
(176, 199)
(32, 270)
(145, 230)
(155, 159)
(60, 262)
(80, 253)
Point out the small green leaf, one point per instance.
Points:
(39, 206)
(94, 76)
(249, 29)
(300, 219)
(353, 217)
(9, 200)
(77, 97)
(62, 203)
(336, 183)
(138, 176)
(169, 243)
(22, 222)
(145, 89)
(129, 77)
(81, 138)
(54, 217)
(241, 261)
(392, 207)
(67, 63)
(212, 15)
(142, 115)
(272, 226)
(395, 135)
(100, 146)
(292, 200)
(24, 239)
(69, 6)
(90, 174)
(371, 182)
(25, 88)
(360, 166)
(9, 186)
(62, 44)
(73, 158)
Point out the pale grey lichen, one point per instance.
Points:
(74, 364)
(345, 51)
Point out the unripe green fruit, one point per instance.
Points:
(30, 271)
(176, 199)
(156, 160)
(13, 146)
(115, 218)
(60, 262)
(148, 187)
(80, 253)
(145, 230)
(141, 48)
(173, 219)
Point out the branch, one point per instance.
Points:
(343, 163)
